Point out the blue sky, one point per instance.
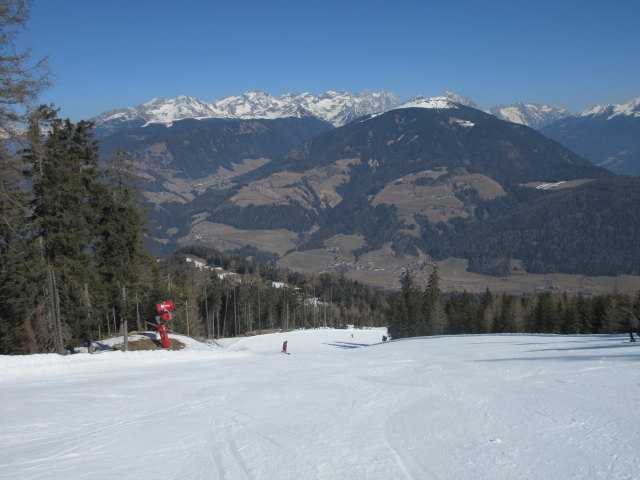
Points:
(117, 53)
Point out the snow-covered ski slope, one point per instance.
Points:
(339, 407)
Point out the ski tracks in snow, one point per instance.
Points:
(240, 442)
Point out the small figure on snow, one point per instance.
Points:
(384, 338)
(284, 347)
(633, 327)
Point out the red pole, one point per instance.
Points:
(164, 308)
(164, 337)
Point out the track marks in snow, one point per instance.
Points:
(241, 441)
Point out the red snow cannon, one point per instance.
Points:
(163, 309)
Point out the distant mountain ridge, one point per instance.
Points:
(530, 114)
(630, 108)
(337, 108)
(539, 116)
(607, 135)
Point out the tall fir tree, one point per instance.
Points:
(119, 253)
(64, 177)
(434, 313)
(406, 313)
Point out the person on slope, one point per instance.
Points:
(633, 327)
(284, 347)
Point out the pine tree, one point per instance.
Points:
(616, 313)
(434, 313)
(571, 323)
(120, 257)
(63, 219)
(636, 304)
(398, 315)
(404, 312)
(504, 321)
(461, 314)
(486, 313)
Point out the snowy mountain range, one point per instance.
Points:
(630, 108)
(337, 108)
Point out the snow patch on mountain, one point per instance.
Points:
(438, 103)
(530, 114)
(337, 108)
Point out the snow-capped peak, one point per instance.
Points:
(430, 103)
(336, 108)
(460, 99)
(530, 114)
(630, 108)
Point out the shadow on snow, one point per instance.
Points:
(347, 344)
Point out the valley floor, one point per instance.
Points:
(343, 405)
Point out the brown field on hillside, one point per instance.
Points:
(183, 190)
(303, 188)
(224, 237)
(319, 260)
(344, 243)
(437, 200)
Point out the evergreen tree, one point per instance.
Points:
(461, 314)
(636, 305)
(434, 313)
(119, 256)
(407, 315)
(616, 313)
(65, 174)
(571, 323)
(486, 313)
(504, 320)
(585, 315)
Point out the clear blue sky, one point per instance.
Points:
(116, 53)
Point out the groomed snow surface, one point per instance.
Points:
(339, 407)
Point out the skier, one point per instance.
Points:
(633, 327)
(284, 347)
(384, 338)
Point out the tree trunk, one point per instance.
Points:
(123, 321)
(138, 314)
(56, 321)
(186, 307)
(206, 313)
